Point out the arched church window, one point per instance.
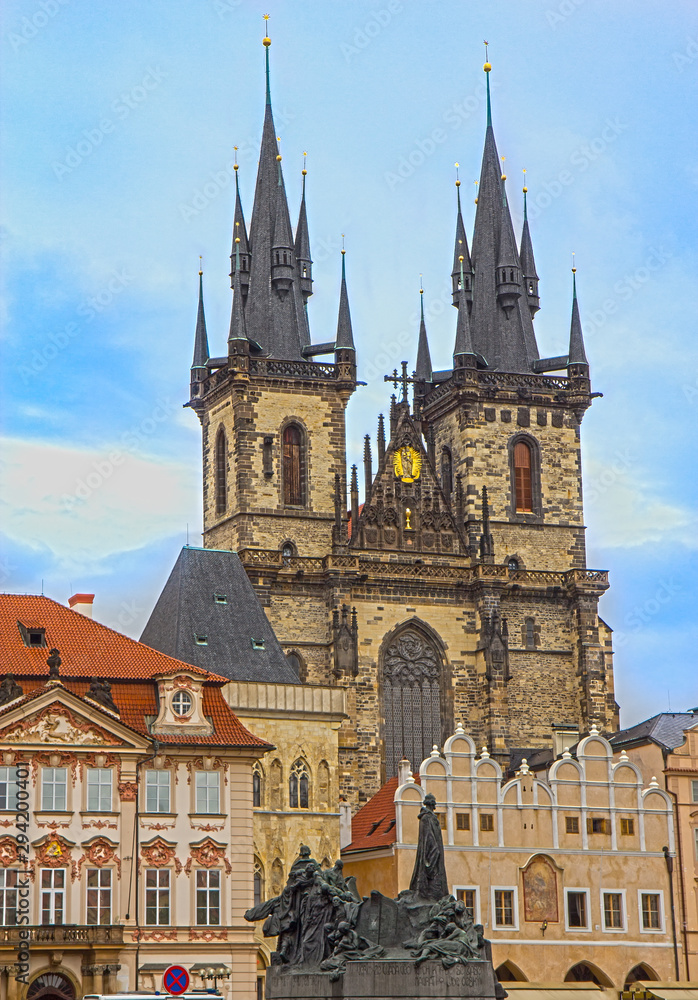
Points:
(523, 483)
(298, 664)
(287, 552)
(513, 565)
(299, 785)
(257, 786)
(293, 461)
(412, 682)
(446, 472)
(221, 472)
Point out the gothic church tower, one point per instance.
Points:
(458, 590)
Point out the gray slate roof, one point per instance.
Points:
(187, 607)
(666, 729)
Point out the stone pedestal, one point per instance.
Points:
(378, 979)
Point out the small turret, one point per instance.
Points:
(528, 264)
(303, 259)
(380, 439)
(577, 365)
(199, 370)
(423, 368)
(462, 273)
(240, 242)
(368, 470)
(282, 247)
(508, 270)
(238, 344)
(344, 350)
(464, 356)
(486, 540)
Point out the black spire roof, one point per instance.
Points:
(208, 614)
(274, 309)
(345, 336)
(201, 354)
(423, 367)
(577, 353)
(503, 336)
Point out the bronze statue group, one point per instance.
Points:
(315, 917)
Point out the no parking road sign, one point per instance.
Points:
(176, 980)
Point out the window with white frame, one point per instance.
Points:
(651, 911)
(577, 910)
(99, 793)
(504, 907)
(157, 896)
(157, 791)
(694, 791)
(8, 897)
(468, 894)
(182, 703)
(98, 896)
(613, 906)
(52, 896)
(208, 791)
(208, 896)
(54, 789)
(8, 789)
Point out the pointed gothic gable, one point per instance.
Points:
(406, 510)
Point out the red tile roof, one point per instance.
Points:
(88, 650)
(374, 824)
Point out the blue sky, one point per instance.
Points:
(117, 139)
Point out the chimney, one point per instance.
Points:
(404, 772)
(82, 603)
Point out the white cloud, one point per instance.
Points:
(85, 505)
(622, 513)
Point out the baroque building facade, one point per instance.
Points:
(126, 813)
(453, 584)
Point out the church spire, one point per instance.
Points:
(274, 310)
(199, 370)
(528, 264)
(305, 263)
(423, 367)
(461, 250)
(502, 326)
(577, 355)
(240, 234)
(345, 336)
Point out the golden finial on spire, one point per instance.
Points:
(237, 230)
(304, 171)
(457, 177)
(475, 183)
(235, 163)
(504, 176)
(421, 285)
(343, 250)
(266, 41)
(201, 266)
(574, 269)
(525, 189)
(488, 66)
(278, 155)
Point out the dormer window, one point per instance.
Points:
(200, 639)
(220, 599)
(258, 643)
(34, 637)
(181, 703)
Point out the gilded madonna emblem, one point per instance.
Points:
(407, 463)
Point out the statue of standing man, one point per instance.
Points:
(429, 876)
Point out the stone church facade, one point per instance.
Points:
(457, 590)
